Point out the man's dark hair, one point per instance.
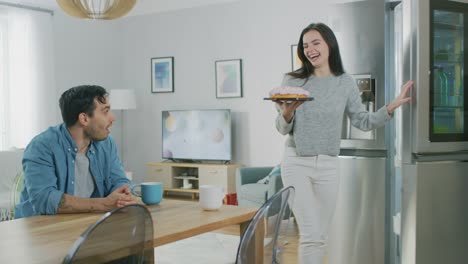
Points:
(334, 59)
(80, 99)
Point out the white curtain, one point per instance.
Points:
(28, 96)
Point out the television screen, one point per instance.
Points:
(196, 134)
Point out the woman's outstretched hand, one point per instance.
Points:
(403, 98)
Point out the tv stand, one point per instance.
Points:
(173, 175)
(198, 161)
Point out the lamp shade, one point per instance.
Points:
(121, 99)
(97, 9)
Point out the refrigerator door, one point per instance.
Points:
(358, 226)
(435, 213)
(359, 29)
(447, 102)
(433, 132)
(433, 37)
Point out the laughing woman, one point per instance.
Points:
(310, 162)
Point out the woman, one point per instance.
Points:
(310, 157)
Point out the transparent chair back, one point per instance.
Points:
(273, 216)
(124, 235)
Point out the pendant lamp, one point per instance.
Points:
(97, 9)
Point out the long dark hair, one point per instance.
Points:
(334, 59)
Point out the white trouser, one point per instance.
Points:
(316, 181)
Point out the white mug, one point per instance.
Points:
(211, 197)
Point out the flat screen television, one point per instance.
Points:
(196, 135)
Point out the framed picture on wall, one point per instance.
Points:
(162, 75)
(228, 78)
(295, 61)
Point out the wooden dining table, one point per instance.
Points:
(48, 238)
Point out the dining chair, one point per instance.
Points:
(123, 235)
(270, 219)
(15, 192)
(10, 176)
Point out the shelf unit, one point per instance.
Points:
(174, 174)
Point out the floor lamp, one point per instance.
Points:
(122, 99)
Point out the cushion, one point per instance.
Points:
(253, 192)
(276, 171)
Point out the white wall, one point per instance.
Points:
(259, 32)
(88, 52)
(116, 54)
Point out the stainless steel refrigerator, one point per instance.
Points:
(428, 42)
(357, 233)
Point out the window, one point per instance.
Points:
(28, 98)
(3, 91)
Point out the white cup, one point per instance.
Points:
(211, 197)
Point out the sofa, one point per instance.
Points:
(251, 192)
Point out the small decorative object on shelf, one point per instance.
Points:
(230, 199)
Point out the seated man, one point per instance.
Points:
(74, 167)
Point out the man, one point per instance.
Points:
(74, 167)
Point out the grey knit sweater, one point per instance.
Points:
(316, 125)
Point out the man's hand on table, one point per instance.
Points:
(119, 198)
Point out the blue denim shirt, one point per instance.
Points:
(49, 170)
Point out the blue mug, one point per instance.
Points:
(151, 192)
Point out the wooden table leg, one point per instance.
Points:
(255, 251)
